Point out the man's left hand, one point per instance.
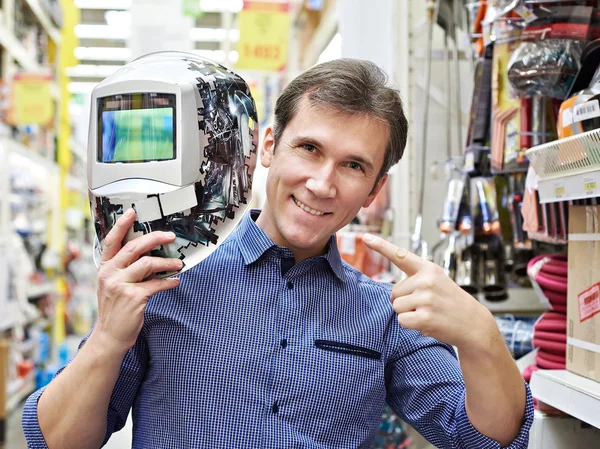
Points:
(430, 302)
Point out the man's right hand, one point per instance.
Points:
(122, 291)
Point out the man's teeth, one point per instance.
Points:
(306, 208)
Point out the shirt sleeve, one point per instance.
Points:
(425, 387)
(131, 374)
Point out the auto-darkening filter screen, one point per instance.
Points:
(137, 135)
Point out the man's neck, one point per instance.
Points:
(266, 222)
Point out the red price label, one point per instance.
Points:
(268, 52)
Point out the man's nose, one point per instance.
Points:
(322, 187)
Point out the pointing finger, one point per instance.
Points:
(403, 259)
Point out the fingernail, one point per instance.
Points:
(129, 213)
(368, 238)
(401, 253)
(169, 235)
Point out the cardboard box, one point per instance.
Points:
(583, 303)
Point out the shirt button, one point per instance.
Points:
(283, 343)
(275, 407)
(290, 285)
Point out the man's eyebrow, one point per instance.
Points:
(299, 140)
(303, 140)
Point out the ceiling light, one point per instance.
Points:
(102, 54)
(217, 55)
(81, 87)
(124, 33)
(102, 32)
(92, 71)
(205, 5)
(213, 34)
(103, 4)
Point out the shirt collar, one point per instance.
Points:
(254, 242)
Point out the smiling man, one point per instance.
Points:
(273, 341)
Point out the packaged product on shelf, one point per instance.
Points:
(583, 302)
(547, 60)
(581, 111)
(508, 135)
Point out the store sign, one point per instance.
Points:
(264, 35)
(31, 100)
(191, 8)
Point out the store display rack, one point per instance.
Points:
(19, 53)
(44, 19)
(519, 301)
(575, 395)
(19, 389)
(568, 169)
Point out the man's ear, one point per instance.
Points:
(268, 147)
(375, 191)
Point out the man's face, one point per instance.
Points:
(323, 170)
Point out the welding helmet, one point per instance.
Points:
(174, 136)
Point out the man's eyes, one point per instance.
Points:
(355, 166)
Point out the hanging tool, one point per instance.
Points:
(419, 246)
(456, 87)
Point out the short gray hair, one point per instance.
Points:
(352, 86)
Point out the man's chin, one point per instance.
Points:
(304, 242)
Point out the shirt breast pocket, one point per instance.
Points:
(349, 377)
(347, 348)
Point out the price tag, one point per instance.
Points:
(586, 111)
(525, 13)
(559, 190)
(469, 161)
(589, 186)
(348, 243)
(264, 30)
(487, 34)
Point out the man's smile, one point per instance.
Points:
(307, 208)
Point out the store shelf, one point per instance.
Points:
(575, 395)
(44, 20)
(34, 291)
(12, 45)
(17, 51)
(9, 316)
(568, 169)
(18, 390)
(20, 150)
(540, 237)
(25, 346)
(520, 300)
(559, 432)
(78, 149)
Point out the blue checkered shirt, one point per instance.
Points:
(254, 351)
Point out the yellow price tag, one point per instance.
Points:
(559, 191)
(264, 35)
(31, 100)
(589, 185)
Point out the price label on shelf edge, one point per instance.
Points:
(559, 190)
(589, 186)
